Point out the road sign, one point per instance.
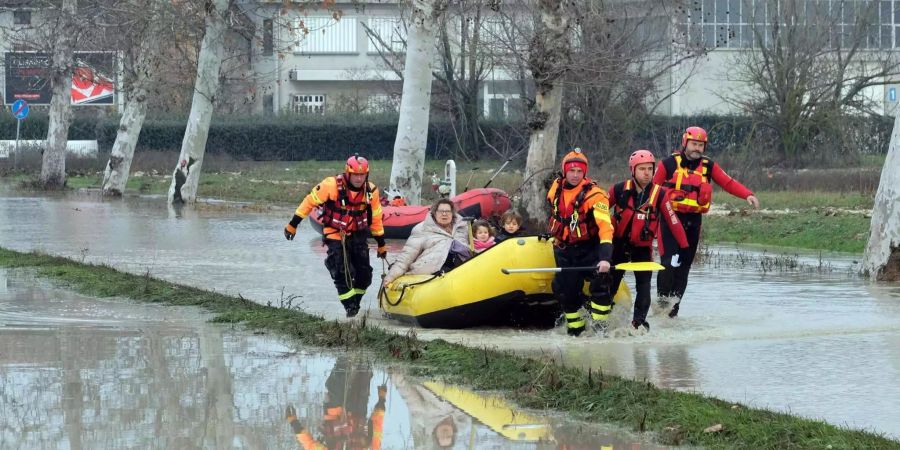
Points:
(892, 94)
(20, 109)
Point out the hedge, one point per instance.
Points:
(327, 137)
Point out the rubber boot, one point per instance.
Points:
(351, 305)
(674, 312)
(638, 325)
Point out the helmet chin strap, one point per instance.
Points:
(638, 183)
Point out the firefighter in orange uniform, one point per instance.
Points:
(688, 175)
(350, 208)
(344, 425)
(639, 209)
(583, 232)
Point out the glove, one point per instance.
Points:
(290, 230)
(382, 247)
(679, 257)
(544, 237)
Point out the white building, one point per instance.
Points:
(309, 61)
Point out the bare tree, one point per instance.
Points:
(142, 41)
(882, 257)
(62, 66)
(808, 71)
(415, 104)
(619, 74)
(186, 175)
(548, 61)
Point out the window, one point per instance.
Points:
(497, 108)
(390, 31)
(325, 35)
(268, 104)
(731, 23)
(22, 17)
(268, 38)
(308, 104)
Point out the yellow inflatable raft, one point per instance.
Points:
(477, 293)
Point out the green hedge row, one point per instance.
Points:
(330, 137)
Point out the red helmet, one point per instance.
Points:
(357, 164)
(693, 134)
(640, 157)
(575, 158)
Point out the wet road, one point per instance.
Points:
(821, 345)
(79, 372)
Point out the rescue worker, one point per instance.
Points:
(583, 232)
(344, 425)
(639, 207)
(350, 208)
(688, 175)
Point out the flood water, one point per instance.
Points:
(86, 373)
(818, 344)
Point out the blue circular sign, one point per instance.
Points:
(20, 109)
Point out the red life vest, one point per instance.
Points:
(689, 190)
(575, 224)
(344, 214)
(643, 219)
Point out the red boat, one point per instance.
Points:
(399, 221)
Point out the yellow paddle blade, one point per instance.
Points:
(640, 266)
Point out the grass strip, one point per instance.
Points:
(676, 418)
(803, 229)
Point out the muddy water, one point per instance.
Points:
(819, 344)
(79, 372)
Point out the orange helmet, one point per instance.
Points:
(357, 164)
(575, 158)
(640, 157)
(694, 134)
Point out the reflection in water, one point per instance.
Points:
(85, 373)
(343, 423)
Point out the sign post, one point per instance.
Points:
(20, 109)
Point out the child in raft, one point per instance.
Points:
(483, 236)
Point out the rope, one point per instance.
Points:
(347, 278)
(402, 291)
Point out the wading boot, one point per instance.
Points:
(575, 332)
(351, 305)
(640, 326)
(674, 312)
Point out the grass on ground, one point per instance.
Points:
(676, 418)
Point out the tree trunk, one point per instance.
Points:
(548, 61)
(412, 130)
(119, 166)
(53, 165)
(187, 171)
(882, 258)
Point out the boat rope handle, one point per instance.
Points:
(402, 291)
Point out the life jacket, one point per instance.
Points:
(344, 214)
(578, 225)
(642, 220)
(690, 191)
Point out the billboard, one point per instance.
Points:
(28, 78)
